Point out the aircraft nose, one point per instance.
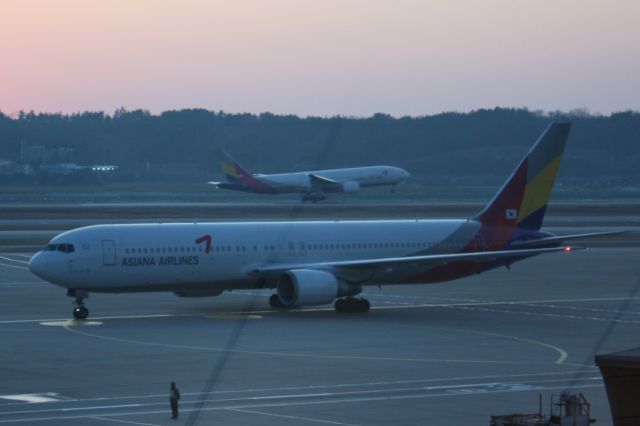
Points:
(38, 265)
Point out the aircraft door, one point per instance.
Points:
(108, 252)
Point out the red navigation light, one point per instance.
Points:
(567, 249)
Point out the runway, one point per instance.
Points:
(449, 354)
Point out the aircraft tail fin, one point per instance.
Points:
(233, 171)
(522, 200)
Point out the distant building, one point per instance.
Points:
(8, 167)
(68, 168)
(39, 154)
(56, 161)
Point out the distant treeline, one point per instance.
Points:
(185, 145)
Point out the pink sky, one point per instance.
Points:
(325, 57)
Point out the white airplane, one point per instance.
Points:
(311, 262)
(313, 184)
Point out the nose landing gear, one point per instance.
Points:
(80, 311)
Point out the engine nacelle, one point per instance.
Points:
(350, 187)
(301, 287)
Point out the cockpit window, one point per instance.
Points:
(64, 248)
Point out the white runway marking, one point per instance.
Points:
(99, 407)
(35, 398)
(26, 256)
(445, 305)
(71, 323)
(124, 421)
(14, 260)
(14, 266)
(313, 402)
(590, 370)
(305, 419)
(363, 394)
(96, 318)
(580, 309)
(235, 316)
(302, 355)
(548, 314)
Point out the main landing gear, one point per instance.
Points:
(80, 312)
(343, 306)
(352, 305)
(313, 197)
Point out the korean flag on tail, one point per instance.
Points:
(511, 214)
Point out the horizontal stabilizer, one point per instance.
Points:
(232, 186)
(559, 239)
(433, 259)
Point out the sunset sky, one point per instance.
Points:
(324, 57)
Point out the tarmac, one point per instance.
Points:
(447, 354)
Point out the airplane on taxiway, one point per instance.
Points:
(312, 262)
(313, 184)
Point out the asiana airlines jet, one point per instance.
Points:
(312, 262)
(314, 185)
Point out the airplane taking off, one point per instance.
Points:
(312, 262)
(313, 184)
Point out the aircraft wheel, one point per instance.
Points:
(363, 305)
(351, 305)
(80, 313)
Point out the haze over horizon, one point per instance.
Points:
(323, 58)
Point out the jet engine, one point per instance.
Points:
(351, 186)
(300, 287)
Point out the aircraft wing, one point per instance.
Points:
(321, 181)
(560, 238)
(426, 260)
